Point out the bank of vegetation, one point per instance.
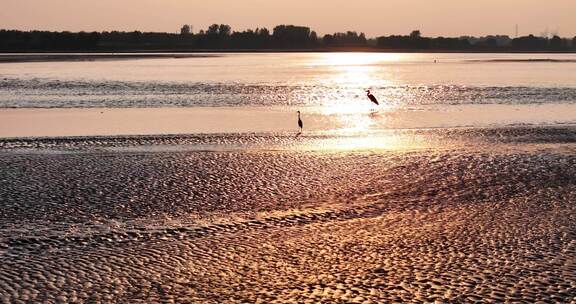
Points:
(220, 37)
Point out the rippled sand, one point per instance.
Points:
(451, 215)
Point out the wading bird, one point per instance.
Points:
(372, 98)
(300, 124)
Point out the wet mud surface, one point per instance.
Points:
(217, 219)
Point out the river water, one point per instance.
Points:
(414, 90)
(288, 79)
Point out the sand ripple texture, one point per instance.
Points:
(477, 224)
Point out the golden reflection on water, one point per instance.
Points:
(358, 119)
(353, 123)
(359, 58)
(363, 71)
(372, 141)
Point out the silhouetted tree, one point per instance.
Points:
(185, 30)
(491, 42)
(250, 39)
(224, 30)
(415, 34)
(442, 43)
(314, 37)
(264, 32)
(416, 42)
(291, 36)
(558, 44)
(42, 40)
(216, 36)
(349, 38)
(213, 29)
(529, 42)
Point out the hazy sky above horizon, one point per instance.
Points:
(374, 17)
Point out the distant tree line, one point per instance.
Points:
(282, 37)
(414, 41)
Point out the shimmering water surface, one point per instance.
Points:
(285, 79)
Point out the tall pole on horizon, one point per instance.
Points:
(516, 32)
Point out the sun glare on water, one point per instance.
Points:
(371, 141)
(358, 58)
(364, 70)
(356, 72)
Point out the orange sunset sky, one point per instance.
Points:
(374, 17)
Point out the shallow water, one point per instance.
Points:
(361, 121)
(286, 79)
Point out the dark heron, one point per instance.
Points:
(372, 98)
(300, 124)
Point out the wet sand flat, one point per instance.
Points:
(463, 215)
